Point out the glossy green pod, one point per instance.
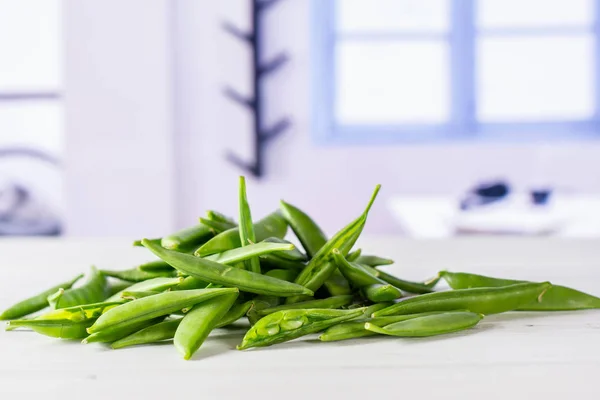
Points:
(293, 254)
(557, 298)
(236, 312)
(35, 303)
(199, 322)
(431, 325)
(213, 215)
(156, 284)
(407, 286)
(155, 266)
(272, 225)
(246, 227)
(353, 256)
(154, 306)
(193, 236)
(373, 261)
(137, 275)
(134, 295)
(305, 228)
(238, 254)
(381, 292)
(94, 290)
(478, 300)
(217, 226)
(155, 333)
(328, 303)
(213, 272)
(291, 324)
(56, 328)
(114, 334)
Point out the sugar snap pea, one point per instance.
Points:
(272, 260)
(293, 254)
(57, 328)
(137, 275)
(286, 325)
(228, 276)
(35, 303)
(130, 295)
(479, 300)
(246, 227)
(320, 267)
(94, 290)
(186, 238)
(378, 292)
(238, 254)
(117, 287)
(164, 330)
(556, 298)
(272, 225)
(213, 215)
(283, 274)
(217, 226)
(156, 284)
(407, 286)
(138, 243)
(199, 322)
(155, 266)
(373, 261)
(307, 231)
(430, 325)
(190, 283)
(353, 256)
(236, 312)
(154, 306)
(113, 334)
(328, 303)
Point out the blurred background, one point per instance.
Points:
(132, 117)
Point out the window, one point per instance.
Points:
(30, 116)
(418, 70)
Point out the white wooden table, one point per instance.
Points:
(521, 355)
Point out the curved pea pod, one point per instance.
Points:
(328, 303)
(117, 287)
(378, 292)
(274, 261)
(155, 285)
(557, 298)
(236, 312)
(35, 303)
(138, 243)
(154, 306)
(353, 256)
(373, 261)
(283, 274)
(214, 272)
(155, 266)
(272, 225)
(291, 324)
(356, 328)
(113, 334)
(246, 227)
(130, 295)
(260, 303)
(320, 267)
(56, 328)
(137, 275)
(238, 254)
(430, 325)
(186, 238)
(407, 286)
(217, 226)
(199, 322)
(213, 215)
(155, 333)
(337, 284)
(292, 254)
(95, 290)
(478, 300)
(190, 283)
(305, 228)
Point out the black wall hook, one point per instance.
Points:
(255, 104)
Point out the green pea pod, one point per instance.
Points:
(378, 292)
(320, 267)
(328, 303)
(155, 266)
(156, 285)
(306, 230)
(246, 227)
(217, 226)
(137, 275)
(272, 225)
(337, 284)
(283, 274)
(291, 324)
(356, 274)
(56, 328)
(356, 328)
(154, 306)
(430, 325)
(371, 309)
(353, 256)
(131, 295)
(213, 272)
(260, 303)
(230, 257)
(557, 298)
(155, 333)
(293, 254)
(118, 287)
(138, 243)
(236, 312)
(273, 260)
(186, 238)
(95, 290)
(190, 283)
(88, 312)
(114, 334)
(35, 303)
(219, 217)
(478, 300)
(373, 261)
(199, 322)
(407, 286)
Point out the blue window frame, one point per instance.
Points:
(484, 97)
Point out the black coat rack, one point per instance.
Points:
(260, 69)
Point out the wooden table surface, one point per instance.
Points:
(521, 355)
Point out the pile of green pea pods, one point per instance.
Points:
(219, 272)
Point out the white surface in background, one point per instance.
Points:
(534, 13)
(439, 216)
(509, 356)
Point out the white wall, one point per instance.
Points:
(333, 183)
(118, 85)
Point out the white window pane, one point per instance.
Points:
(392, 82)
(534, 13)
(535, 78)
(35, 125)
(393, 15)
(29, 45)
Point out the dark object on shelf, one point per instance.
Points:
(540, 197)
(484, 194)
(260, 69)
